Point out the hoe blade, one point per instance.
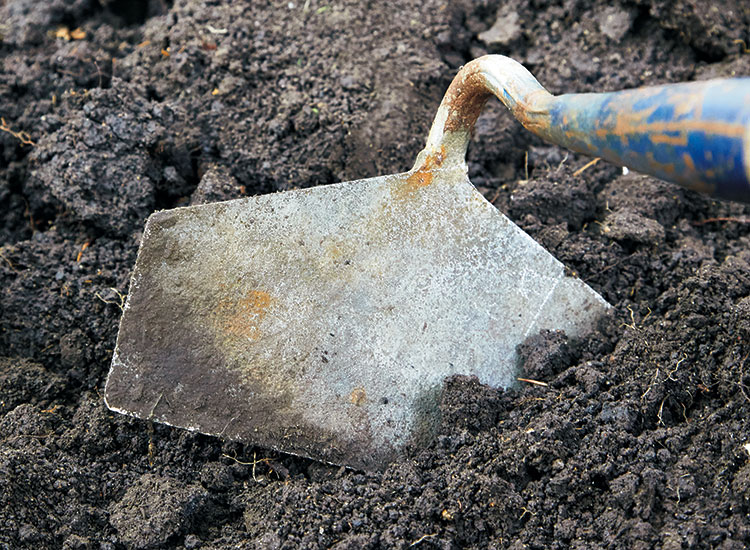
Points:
(323, 322)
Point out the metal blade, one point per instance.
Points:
(322, 322)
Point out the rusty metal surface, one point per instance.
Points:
(323, 322)
(696, 134)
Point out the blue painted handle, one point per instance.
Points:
(696, 134)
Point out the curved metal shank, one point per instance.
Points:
(696, 134)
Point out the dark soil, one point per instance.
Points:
(640, 440)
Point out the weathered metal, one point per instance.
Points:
(696, 134)
(322, 322)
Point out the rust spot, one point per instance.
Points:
(532, 111)
(626, 120)
(242, 318)
(422, 177)
(334, 250)
(680, 139)
(358, 396)
(628, 123)
(688, 160)
(466, 98)
(667, 168)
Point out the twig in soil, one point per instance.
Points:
(535, 382)
(526, 166)
(677, 366)
(725, 219)
(608, 267)
(661, 410)
(563, 161)
(80, 252)
(121, 296)
(632, 324)
(586, 166)
(47, 348)
(632, 320)
(266, 461)
(422, 539)
(651, 385)
(7, 261)
(498, 191)
(22, 136)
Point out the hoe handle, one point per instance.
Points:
(696, 134)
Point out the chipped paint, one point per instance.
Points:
(696, 134)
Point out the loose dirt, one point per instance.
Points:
(111, 110)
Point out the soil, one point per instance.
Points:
(114, 109)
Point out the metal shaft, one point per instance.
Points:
(696, 134)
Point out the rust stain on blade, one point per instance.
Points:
(358, 396)
(242, 318)
(422, 176)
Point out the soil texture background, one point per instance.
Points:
(112, 110)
